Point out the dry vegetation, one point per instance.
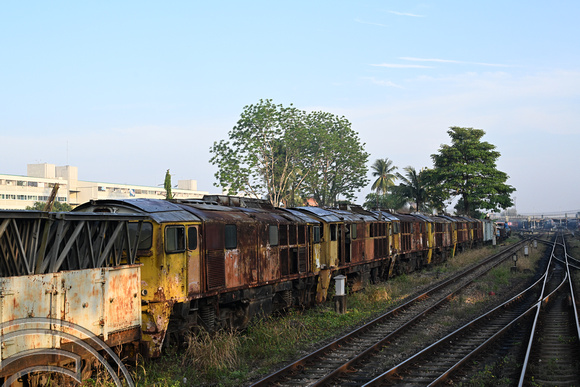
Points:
(236, 358)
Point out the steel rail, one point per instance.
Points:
(537, 316)
(270, 379)
(451, 337)
(572, 292)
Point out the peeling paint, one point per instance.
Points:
(83, 298)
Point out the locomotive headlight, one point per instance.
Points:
(144, 292)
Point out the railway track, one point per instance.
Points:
(553, 355)
(329, 364)
(545, 311)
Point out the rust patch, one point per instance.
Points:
(160, 294)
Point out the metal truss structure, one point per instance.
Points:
(37, 242)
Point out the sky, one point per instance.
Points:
(126, 90)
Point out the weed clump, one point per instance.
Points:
(212, 353)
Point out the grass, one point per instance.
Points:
(492, 375)
(236, 358)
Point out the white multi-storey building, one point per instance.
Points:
(18, 192)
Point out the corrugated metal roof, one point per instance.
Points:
(158, 210)
(334, 215)
(320, 213)
(441, 219)
(304, 216)
(448, 218)
(383, 215)
(241, 214)
(424, 217)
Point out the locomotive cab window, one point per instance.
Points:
(333, 232)
(192, 238)
(283, 235)
(231, 236)
(273, 232)
(301, 235)
(396, 228)
(146, 237)
(174, 239)
(316, 234)
(353, 231)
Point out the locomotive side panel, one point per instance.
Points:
(194, 278)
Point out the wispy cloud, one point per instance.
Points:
(453, 61)
(402, 66)
(405, 14)
(371, 23)
(381, 82)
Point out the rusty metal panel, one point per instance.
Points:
(233, 268)
(216, 269)
(102, 301)
(247, 254)
(26, 297)
(194, 272)
(122, 298)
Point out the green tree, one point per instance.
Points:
(283, 153)
(383, 170)
(467, 169)
(434, 193)
(265, 153)
(413, 187)
(167, 186)
(56, 207)
(374, 201)
(339, 169)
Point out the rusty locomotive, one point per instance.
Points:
(140, 272)
(219, 261)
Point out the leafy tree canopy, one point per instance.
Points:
(56, 207)
(283, 152)
(467, 169)
(374, 201)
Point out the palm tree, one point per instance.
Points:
(383, 169)
(413, 187)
